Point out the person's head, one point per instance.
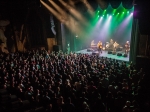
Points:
(46, 94)
(5, 86)
(91, 83)
(85, 105)
(119, 93)
(60, 100)
(109, 95)
(38, 91)
(87, 110)
(58, 89)
(50, 106)
(68, 100)
(128, 103)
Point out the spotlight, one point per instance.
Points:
(110, 17)
(118, 13)
(128, 12)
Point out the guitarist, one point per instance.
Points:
(99, 46)
(127, 47)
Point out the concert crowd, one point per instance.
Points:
(40, 81)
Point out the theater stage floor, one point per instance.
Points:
(105, 54)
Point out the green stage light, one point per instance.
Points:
(118, 13)
(104, 12)
(128, 12)
(114, 11)
(103, 15)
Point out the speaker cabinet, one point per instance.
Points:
(109, 52)
(125, 55)
(119, 54)
(56, 48)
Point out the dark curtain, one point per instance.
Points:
(35, 30)
(58, 34)
(134, 41)
(65, 37)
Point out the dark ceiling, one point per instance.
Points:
(11, 6)
(20, 7)
(17, 9)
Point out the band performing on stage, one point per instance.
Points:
(110, 46)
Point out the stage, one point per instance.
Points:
(106, 54)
